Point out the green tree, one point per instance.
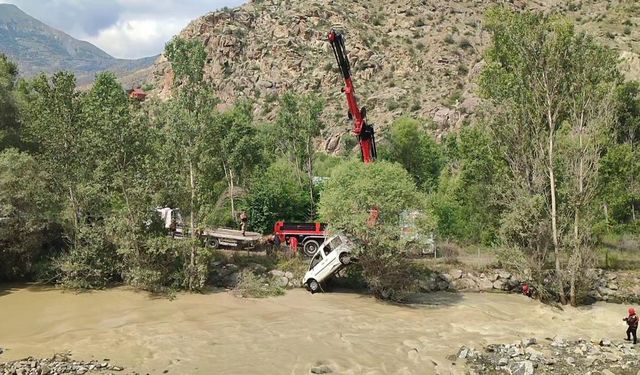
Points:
(411, 146)
(298, 125)
(275, 194)
(237, 146)
(541, 75)
(353, 190)
(187, 118)
(9, 121)
(27, 211)
(51, 109)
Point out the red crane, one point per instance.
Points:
(364, 131)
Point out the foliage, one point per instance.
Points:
(411, 146)
(552, 90)
(353, 190)
(9, 121)
(256, 286)
(275, 194)
(26, 205)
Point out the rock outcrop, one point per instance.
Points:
(409, 57)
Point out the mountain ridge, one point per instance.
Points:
(37, 47)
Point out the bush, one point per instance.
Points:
(256, 286)
(449, 39)
(352, 191)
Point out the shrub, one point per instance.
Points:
(449, 39)
(256, 286)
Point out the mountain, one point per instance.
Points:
(37, 48)
(413, 58)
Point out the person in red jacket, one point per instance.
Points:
(632, 322)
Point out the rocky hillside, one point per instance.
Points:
(409, 57)
(37, 48)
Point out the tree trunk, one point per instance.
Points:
(192, 262)
(310, 175)
(228, 174)
(231, 188)
(554, 214)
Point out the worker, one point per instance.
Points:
(243, 221)
(632, 322)
(526, 290)
(173, 227)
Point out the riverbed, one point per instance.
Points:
(218, 333)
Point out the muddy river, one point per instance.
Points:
(217, 333)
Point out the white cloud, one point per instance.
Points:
(123, 28)
(137, 37)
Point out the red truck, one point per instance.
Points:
(308, 235)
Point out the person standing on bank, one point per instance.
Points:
(243, 221)
(632, 322)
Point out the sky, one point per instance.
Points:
(123, 28)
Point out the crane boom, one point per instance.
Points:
(364, 131)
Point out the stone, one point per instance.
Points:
(494, 277)
(558, 342)
(605, 342)
(485, 284)
(503, 362)
(446, 277)
(612, 357)
(570, 360)
(81, 370)
(612, 286)
(528, 342)
(324, 369)
(498, 284)
(521, 368)
(288, 275)
(44, 369)
(612, 276)
(457, 274)
(504, 275)
(607, 372)
(282, 281)
(117, 368)
(276, 273)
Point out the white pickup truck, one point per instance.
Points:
(332, 255)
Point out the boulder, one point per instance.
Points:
(276, 273)
(288, 275)
(521, 368)
(605, 342)
(485, 284)
(528, 342)
(499, 284)
(282, 281)
(457, 274)
(504, 275)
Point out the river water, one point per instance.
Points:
(217, 333)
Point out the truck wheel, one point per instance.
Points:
(345, 258)
(213, 243)
(313, 285)
(310, 247)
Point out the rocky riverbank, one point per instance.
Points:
(609, 286)
(554, 356)
(59, 364)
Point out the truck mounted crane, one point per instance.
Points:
(364, 131)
